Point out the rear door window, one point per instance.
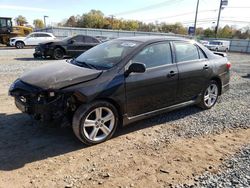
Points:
(186, 52)
(43, 35)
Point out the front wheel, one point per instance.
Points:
(58, 53)
(95, 123)
(210, 95)
(19, 45)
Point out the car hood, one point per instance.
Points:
(59, 75)
(18, 38)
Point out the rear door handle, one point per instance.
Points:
(171, 74)
(205, 67)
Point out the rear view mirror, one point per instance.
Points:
(136, 67)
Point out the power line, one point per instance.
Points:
(239, 7)
(154, 6)
(213, 19)
(183, 14)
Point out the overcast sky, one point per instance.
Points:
(171, 11)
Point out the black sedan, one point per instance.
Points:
(122, 81)
(70, 47)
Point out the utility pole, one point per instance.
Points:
(112, 20)
(196, 15)
(218, 20)
(222, 4)
(44, 20)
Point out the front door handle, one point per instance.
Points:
(171, 74)
(205, 67)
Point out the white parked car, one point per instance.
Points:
(204, 42)
(32, 39)
(218, 45)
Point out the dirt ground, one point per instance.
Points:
(140, 155)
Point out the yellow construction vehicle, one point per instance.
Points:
(7, 30)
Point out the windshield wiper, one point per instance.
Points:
(83, 64)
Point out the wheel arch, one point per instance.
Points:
(21, 42)
(218, 80)
(81, 99)
(115, 104)
(58, 46)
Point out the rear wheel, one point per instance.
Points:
(58, 53)
(19, 45)
(210, 95)
(95, 123)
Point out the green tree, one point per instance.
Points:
(38, 23)
(71, 22)
(225, 32)
(209, 33)
(21, 20)
(131, 25)
(93, 19)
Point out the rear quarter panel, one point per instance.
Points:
(221, 71)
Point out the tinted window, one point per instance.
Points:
(90, 40)
(43, 35)
(154, 55)
(33, 35)
(3, 23)
(186, 52)
(78, 38)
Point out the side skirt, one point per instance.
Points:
(127, 120)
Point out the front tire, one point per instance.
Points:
(209, 95)
(95, 123)
(58, 54)
(19, 45)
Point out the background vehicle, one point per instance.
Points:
(122, 81)
(33, 39)
(204, 42)
(218, 45)
(70, 46)
(7, 30)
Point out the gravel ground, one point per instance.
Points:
(168, 150)
(235, 172)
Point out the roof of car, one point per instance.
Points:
(152, 38)
(42, 33)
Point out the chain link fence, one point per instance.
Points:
(236, 45)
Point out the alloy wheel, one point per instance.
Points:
(58, 53)
(99, 124)
(211, 95)
(19, 45)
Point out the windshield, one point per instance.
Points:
(67, 38)
(106, 55)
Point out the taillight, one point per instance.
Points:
(228, 65)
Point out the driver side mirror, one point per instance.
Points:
(72, 41)
(136, 68)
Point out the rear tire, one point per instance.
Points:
(95, 123)
(209, 95)
(19, 45)
(58, 54)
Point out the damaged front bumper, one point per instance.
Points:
(41, 51)
(43, 105)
